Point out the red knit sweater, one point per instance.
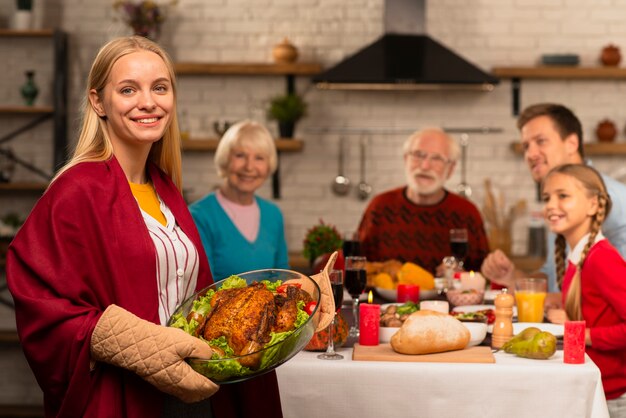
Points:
(393, 227)
(603, 281)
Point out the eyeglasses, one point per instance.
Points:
(435, 160)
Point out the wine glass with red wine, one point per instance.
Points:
(459, 244)
(336, 283)
(355, 282)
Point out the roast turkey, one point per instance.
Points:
(246, 317)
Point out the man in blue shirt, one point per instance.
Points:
(551, 136)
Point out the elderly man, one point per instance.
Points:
(413, 222)
(551, 136)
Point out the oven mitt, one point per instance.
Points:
(155, 353)
(326, 310)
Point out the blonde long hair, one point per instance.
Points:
(94, 143)
(594, 187)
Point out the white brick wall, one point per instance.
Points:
(487, 32)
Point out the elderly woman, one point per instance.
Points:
(241, 232)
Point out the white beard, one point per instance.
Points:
(414, 186)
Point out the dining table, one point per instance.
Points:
(510, 386)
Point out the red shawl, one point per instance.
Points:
(83, 247)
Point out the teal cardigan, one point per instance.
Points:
(228, 251)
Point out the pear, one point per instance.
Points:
(526, 335)
(542, 346)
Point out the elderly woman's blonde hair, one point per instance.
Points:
(245, 133)
(454, 150)
(94, 143)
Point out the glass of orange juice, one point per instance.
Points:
(530, 294)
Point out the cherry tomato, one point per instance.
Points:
(283, 287)
(310, 307)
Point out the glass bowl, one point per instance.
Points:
(230, 370)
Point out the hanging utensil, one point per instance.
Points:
(463, 188)
(364, 189)
(341, 184)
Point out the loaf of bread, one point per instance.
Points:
(426, 332)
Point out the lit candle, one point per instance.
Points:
(408, 292)
(473, 280)
(435, 305)
(369, 322)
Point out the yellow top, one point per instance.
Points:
(148, 201)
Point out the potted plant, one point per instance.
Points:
(23, 15)
(320, 241)
(287, 110)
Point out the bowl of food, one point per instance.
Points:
(385, 334)
(392, 317)
(478, 332)
(458, 297)
(254, 322)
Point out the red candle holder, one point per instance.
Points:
(408, 292)
(574, 342)
(369, 324)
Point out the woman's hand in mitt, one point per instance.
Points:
(154, 352)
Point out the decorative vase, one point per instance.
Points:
(285, 52)
(610, 56)
(606, 131)
(22, 20)
(29, 89)
(286, 129)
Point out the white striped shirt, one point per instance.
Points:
(176, 262)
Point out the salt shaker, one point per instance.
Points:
(503, 325)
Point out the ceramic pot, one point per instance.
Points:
(606, 131)
(610, 56)
(286, 129)
(22, 20)
(285, 52)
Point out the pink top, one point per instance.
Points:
(246, 218)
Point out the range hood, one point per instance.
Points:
(405, 61)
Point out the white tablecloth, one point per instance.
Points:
(512, 387)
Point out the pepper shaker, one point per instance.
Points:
(503, 325)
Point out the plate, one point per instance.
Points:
(231, 370)
(555, 329)
(474, 308)
(392, 294)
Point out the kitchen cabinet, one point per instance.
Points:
(516, 74)
(57, 111)
(289, 71)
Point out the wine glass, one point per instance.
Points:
(336, 282)
(351, 245)
(355, 281)
(459, 245)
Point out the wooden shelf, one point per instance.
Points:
(23, 187)
(27, 109)
(560, 72)
(516, 74)
(210, 144)
(9, 336)
(39, 33)
(591, 148)
(197, 68)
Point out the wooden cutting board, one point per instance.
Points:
(384, 352)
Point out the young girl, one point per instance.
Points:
(594, 279)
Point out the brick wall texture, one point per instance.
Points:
(487, 32)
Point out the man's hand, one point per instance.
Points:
(499, 269)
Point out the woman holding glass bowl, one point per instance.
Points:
(241, 231)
